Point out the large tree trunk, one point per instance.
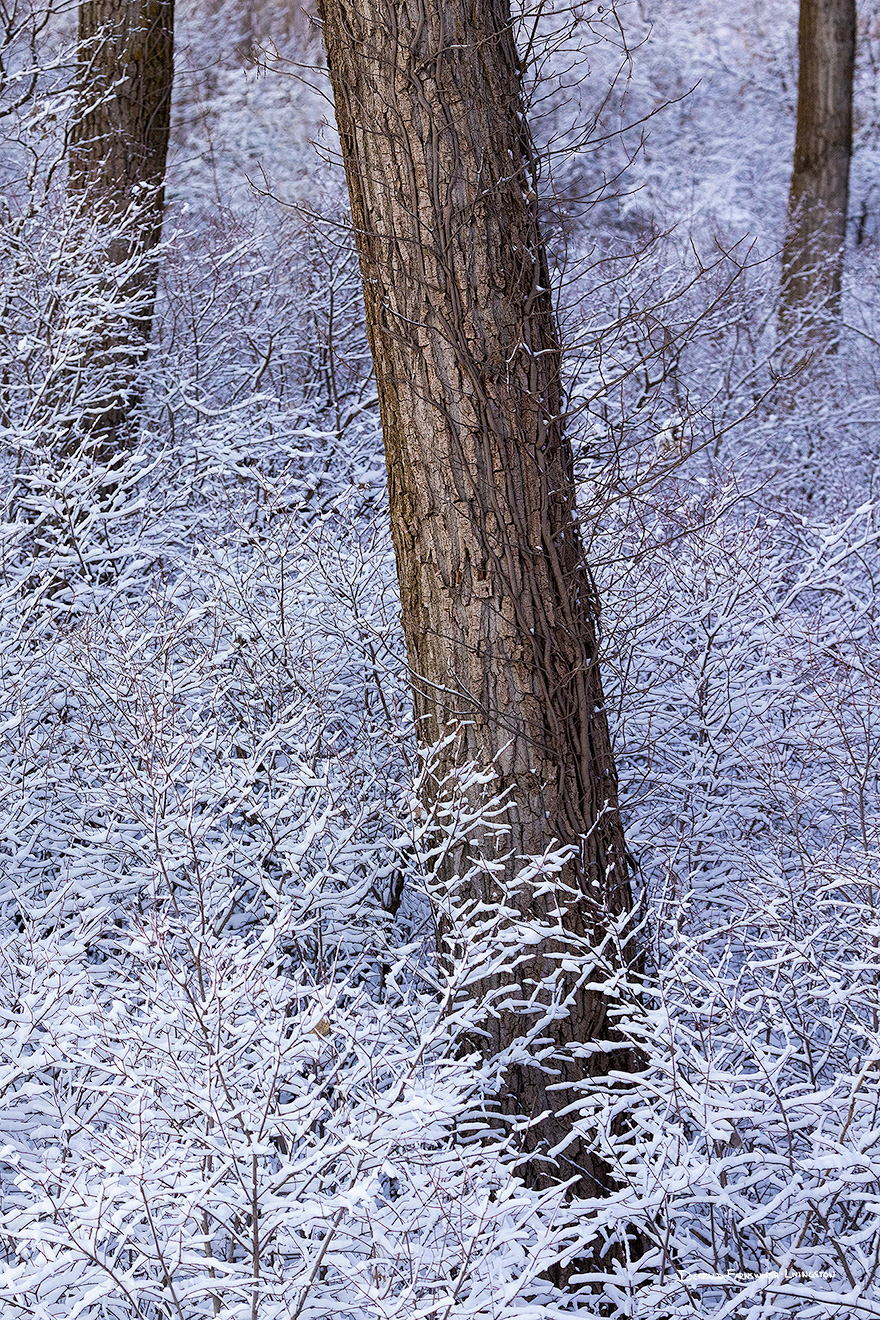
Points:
(812, 260)
(118, 151)
(498, 607)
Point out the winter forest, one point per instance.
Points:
(439, 686)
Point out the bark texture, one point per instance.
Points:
(118, 152)
(119, 139)
(498, 608)
(812, 261)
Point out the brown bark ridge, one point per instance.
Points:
(812, 258)
(117, 159)
(119, 137)
(498, 608)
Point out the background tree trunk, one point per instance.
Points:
(812, 260)
(118, 152)
(498, 608)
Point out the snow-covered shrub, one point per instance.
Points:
(236, 1079)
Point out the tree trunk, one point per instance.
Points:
(498, 608)
(812, 259)
(118, 151)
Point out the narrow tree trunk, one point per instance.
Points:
(498, 608)
(118, 150)
(812, 260)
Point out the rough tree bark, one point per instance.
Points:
(118, 151)
(812, 259)
(498, 607)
